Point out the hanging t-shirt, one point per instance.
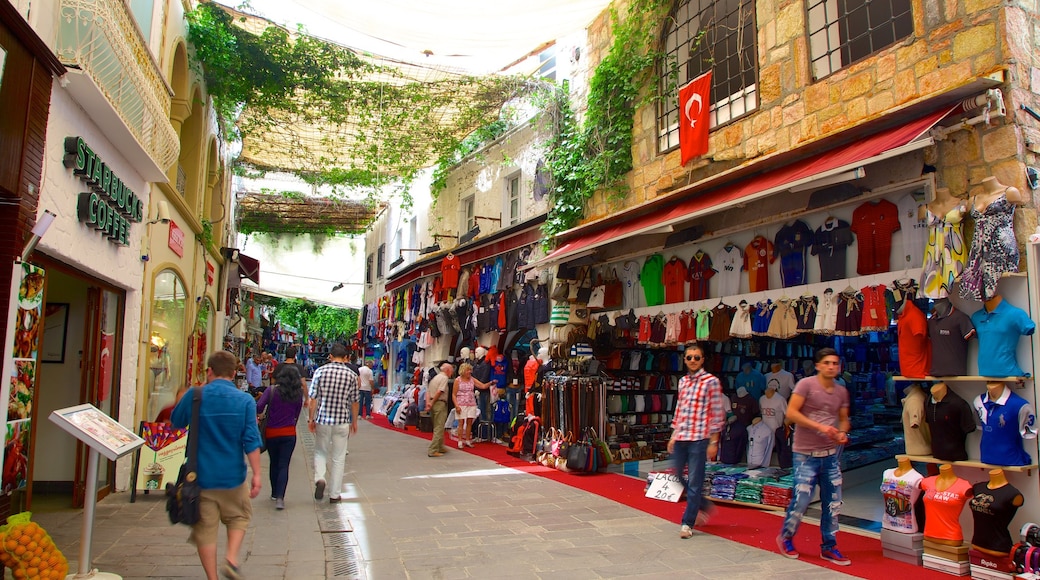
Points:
(758, 255)
(829, 243)
(674, 278)
(949, 333)
(900, 494)
(450, 266)
(999, 332)
(728, 262)
(650, 278)
(942, 509)
(773, 410)
(874, 223)
(760, 445)
(949, 421)
(1005, 422)
(792, 244)
(700, 271)
(992, 511)
(784, 382)
(745, 408)
(629, 275)
(733, 443)
(915, 351)
(913, 224)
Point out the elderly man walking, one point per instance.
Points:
(437, 403)
(332, 417)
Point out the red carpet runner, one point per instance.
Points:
(749, 526)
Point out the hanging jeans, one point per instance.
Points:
(691, 456)
(810, 470)
(330, 455)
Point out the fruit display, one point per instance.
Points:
(28, 550)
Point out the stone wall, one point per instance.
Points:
(954, 43)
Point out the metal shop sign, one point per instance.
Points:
(110, 206)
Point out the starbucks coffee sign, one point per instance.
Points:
(110, 205)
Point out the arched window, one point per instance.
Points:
(166, 342)
(703, 35)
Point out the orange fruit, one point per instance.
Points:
(10, 544)
(32, 572)
(19, 550)
(24, 540)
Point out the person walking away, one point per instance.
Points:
(437, 403)
(368, 380)
(254, 371)
(228, 437)
(465, 399)
(332, 417)
(696, 427)
(283, 402)
(819, 406)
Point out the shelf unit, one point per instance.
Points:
(1027, 469)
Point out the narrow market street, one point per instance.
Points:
(409, 516)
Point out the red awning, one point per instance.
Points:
(860, 152)
(249, 268)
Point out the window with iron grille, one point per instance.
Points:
(703, 35)
(842, 32)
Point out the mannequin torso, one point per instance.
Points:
(993, 190)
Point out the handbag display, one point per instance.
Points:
(182, 497)
(613, 291)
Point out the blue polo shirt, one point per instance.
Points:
(999, 332)
(1006, 421)
(227, 432)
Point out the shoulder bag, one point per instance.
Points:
(182, 498)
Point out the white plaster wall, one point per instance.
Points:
(75, 244)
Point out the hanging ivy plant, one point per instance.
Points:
(596, 153)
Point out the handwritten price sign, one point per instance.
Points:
(665, 487)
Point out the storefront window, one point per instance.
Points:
(198, 343)
(166, 348)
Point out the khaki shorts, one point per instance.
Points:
(231, 506)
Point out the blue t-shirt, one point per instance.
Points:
(227, 431)
(753, 381)
(999, 332)
(502, 413)
(1005, 423)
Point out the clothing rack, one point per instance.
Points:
(573, 403)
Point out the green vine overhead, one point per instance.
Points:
(330, 114)
(595, 153)
(309, 318)
(476, 140)
(291, 212)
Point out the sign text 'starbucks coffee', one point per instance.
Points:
(110, 206)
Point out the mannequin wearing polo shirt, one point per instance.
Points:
(999, 326)
(950, 418)
(950, 330)
(993, 506)
(1006, 420)
(916, 436)
(944, 498)
(915, 351)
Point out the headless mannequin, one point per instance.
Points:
(944, 203)
(903, 466)
(939, 391)
(992, 190)
(945, 481)
(991, 304)
(997, 479)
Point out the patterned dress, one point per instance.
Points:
(945, 255)
(994, 250)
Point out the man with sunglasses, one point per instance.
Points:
(819, 406)
(696, 426)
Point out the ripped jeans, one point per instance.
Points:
(808, 472)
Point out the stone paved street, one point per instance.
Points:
(408, 516)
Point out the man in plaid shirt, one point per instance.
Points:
(332, 417)
(696, 426)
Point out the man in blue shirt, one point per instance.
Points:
(254, 371)
(227, 435)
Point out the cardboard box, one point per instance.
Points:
(987, 574)
(918, 552)
(913, 541)
(1003, 564)
(953, 553)
(914, 559)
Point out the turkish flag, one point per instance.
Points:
(694, 102)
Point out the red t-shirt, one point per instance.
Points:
(450, 271)
(674, 278)
(874, 223)
(943, 509)
(700, 271)
(758, 255)
(915, 350)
